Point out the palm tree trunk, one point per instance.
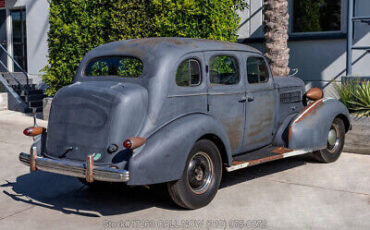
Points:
(276, 35)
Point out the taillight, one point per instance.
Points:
(127, 144)
(33, 131)
(134, 142)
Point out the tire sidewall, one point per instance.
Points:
(189, 198)
(333, 156)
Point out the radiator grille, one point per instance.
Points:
(290, 97)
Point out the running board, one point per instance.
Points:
(263, 156)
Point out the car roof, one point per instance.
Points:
(164, 46)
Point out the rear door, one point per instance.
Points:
(260, 105)
(226, 91)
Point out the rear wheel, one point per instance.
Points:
(335, 143)
(201, 177)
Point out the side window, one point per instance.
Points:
(188, 73)
(257, 70)
(224, 70)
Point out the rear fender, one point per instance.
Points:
(39, 142)
(165, 153)
(310, 128)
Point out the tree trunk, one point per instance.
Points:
(276, 34)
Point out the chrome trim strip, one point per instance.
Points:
(187, 95)
(226, 93)
(75, 169)
(236, 167)
(204, 94)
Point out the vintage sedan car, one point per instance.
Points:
(179, 111)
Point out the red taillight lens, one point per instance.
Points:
(33, 131)
(134, 142)
(27, 131)
(127, 144)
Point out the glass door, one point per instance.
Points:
(19, 38)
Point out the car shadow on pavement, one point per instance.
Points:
(250, 173)
(70, 196)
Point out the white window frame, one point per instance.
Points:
(343, 23)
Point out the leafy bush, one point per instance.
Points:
(77, 26)
(355, 95)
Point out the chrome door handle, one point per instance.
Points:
(250, 99)
(243, 99)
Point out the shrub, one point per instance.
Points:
(77, 26)
(355, 95)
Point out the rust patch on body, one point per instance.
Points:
(234, 132)
(307, 110)
(282, 150)
(266, 159)
(239, 162)
(259, 161)
(310, 109)
(290, 132)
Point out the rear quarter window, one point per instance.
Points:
(188, 73)
(115, 66)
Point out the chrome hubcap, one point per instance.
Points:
(332, 137)
(200, 172)
(333, 140)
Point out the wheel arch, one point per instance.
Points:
(346, 121)
(220, 145)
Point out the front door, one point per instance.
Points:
(260, 105)
(3, 41)
(226, 91)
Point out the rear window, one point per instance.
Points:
(115, 66)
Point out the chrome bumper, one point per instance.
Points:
(74, 169)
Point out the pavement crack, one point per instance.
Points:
(318, 187)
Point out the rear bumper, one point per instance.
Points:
(74, 169)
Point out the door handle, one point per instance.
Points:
(243, 99)
(250, 99)
(246, 98)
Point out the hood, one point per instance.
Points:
(88, 117)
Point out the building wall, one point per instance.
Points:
(37, 27)
(319, 60)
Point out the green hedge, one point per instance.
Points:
(77, 26)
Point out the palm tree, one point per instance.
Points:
(276, 35)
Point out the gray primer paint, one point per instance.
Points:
(95, 112)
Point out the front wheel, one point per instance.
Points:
(335, 143)
(201, 177)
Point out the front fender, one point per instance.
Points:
(310, 128)
(165, 153)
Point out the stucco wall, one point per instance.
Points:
(318, 61)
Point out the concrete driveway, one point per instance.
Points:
(293, 193)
